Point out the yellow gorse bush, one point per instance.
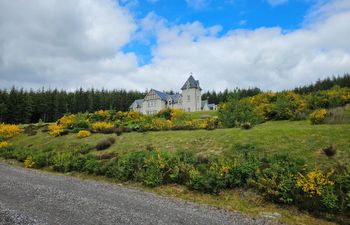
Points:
(4, 144)
(318, 116)
(314, 182)
(29, 162)
(55, 130)
(175, 113)
(67, 121)
(83, 134)
(162, 124)
(100, 126)
(9, 130)
(104, 114)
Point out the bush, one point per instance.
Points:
(62, 162)
(4, 144)
(235, 112)
(209, 180)
(83, 134)
(105, 143)
(66, 121)
(7, 152)
(9, 130)
(276, 179)
(55, 130)
(29, 162)
(103, 127)
(318, 116)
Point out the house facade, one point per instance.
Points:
(190, 100)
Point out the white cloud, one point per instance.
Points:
(67, 44)
(277, 2)
(267, 57)
(63, 43)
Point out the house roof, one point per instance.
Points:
(191, 83)
(161, 95)
(175, 98)
(137, 102)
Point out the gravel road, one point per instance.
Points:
(35, 197)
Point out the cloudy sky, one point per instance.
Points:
(140, 44)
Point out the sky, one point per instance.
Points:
(144, 44)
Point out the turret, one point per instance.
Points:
(191, 95)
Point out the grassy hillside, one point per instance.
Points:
(297, 138)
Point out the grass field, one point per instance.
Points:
(297, 138)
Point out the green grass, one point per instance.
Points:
(297, 138)
(199, 114)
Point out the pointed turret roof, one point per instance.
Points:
(191, 83)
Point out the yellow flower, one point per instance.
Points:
(9, 130)
(67, 121)
(314, 182)
(83, 134)
(4, 144)
(29, 163)
(100, 126)
(318, 116)
(55, 130)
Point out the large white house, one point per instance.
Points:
(189, 100)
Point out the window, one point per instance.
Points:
(189, 109)
(188, 98)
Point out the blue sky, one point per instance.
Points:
(143, 44)
(228, 14)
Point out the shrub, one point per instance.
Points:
(83, 134)
(165, 113)
(41, 160)
(288, 105)
(341, 179)
(209, 180)
(105, 143)
(29, 163)
(329, 151)
(7, 152)
(4, 144)
(62, 162)
(318, 116)
(66, 121)
(9, 130)
(103, 127)
(81, 124)
(314, 182)
(101, 115)
(235, 112)
(276, 179)
(55, 130)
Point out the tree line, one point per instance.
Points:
(325, 84)
(23, 106)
